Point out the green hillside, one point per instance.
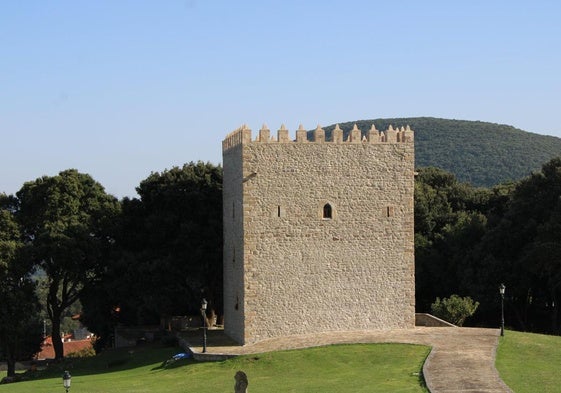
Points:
(483, 154)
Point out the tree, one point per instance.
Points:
(449, 221)
(20, 326)
(524, 250)
(183, 220)
(171, 243)
(67, 222)
(169, 252)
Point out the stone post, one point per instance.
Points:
(241, 382)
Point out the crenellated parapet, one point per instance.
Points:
(242, 135)
(237, 137)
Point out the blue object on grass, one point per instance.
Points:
(182, 355)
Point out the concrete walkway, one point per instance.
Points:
(461, 360)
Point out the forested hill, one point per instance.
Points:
(483, 154)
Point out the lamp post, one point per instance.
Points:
(66, 378)
(502, 288)
(203, 314)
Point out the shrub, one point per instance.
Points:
(454, 309)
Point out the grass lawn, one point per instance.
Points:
(340, 368)
(530, 362)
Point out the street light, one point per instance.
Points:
(502, 288)
(203, 314)
(66, 378)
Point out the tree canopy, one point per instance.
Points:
(170, 248)
(67, 223)
(20, 326)
(524, 249)
(469, 240)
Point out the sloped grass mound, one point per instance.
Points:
(340, 368)
(530, 362)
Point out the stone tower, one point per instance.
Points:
(318, 235)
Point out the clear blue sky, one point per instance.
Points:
(119, 89)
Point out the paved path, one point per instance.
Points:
(461, 360)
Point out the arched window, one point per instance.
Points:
(327, 211)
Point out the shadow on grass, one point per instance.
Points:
(171, 364)
(145, 362)
(113, 360)
(122, 359)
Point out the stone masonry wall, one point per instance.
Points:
(287, 269)
(233, 254)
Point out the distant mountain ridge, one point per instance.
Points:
(481, 153)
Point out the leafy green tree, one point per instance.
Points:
(68, 227)
(20, 325)
(182, 238)
(170, 245)
(524, 250)
(454, 309)
(449, 221)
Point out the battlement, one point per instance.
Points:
(242, 135)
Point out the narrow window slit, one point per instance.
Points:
(390, 211)
(327, 211)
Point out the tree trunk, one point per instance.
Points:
(11, 350)
(56, 338)
(11, 363)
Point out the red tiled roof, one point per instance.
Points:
(48, 352)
